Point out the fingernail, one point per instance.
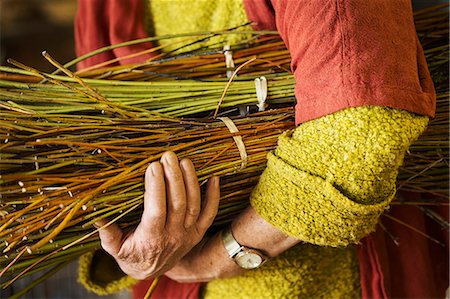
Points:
(185, 164)
(165, 156)
(151, 168)
(149, 171)
(169, 158)
(96, 225)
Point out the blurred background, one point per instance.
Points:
(27, 27)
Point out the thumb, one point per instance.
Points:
(110, 236)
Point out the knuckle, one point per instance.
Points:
(108, 247)
(177, 210)
(177, 179)
(152, 247)
(185, 161)
(192, 211)
(176, 241)
(203, 227)
(153, 215)
(107, 239)
(199, 233)
(126, 256)
(209, 219)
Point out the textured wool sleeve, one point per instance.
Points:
(99, 273)
(329, 180)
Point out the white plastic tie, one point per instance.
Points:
(261, 92)
(228, 60)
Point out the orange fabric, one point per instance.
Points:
(345, 53)
(166, 289)
(374, 279)
(100, 23)
(348, 53)
(417, 268)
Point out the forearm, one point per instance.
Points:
(250, 230)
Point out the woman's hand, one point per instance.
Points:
(172, 223)
(207, 261)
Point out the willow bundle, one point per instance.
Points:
(270, 51)
(75, 170)
(76, 145)
(136, 98)
(75, 149)
(427, 164)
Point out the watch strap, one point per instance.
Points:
(230, 243)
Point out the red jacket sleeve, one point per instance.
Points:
(101, 23)
(349, 53)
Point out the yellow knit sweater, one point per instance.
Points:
(166, 17)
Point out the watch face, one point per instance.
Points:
(248, 260)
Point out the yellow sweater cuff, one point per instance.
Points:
(100, 274)
(310, 208)
(330, 179)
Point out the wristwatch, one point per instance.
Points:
(244, 257)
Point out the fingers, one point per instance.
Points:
(154, 215)
(111, 237)
(172, 197)
(192, 192)
(175, 188)
(211, 206)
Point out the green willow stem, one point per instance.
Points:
(162, 37)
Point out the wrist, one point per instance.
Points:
(252, 231)
(245, 257)
(208, 261)
(225, 267)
